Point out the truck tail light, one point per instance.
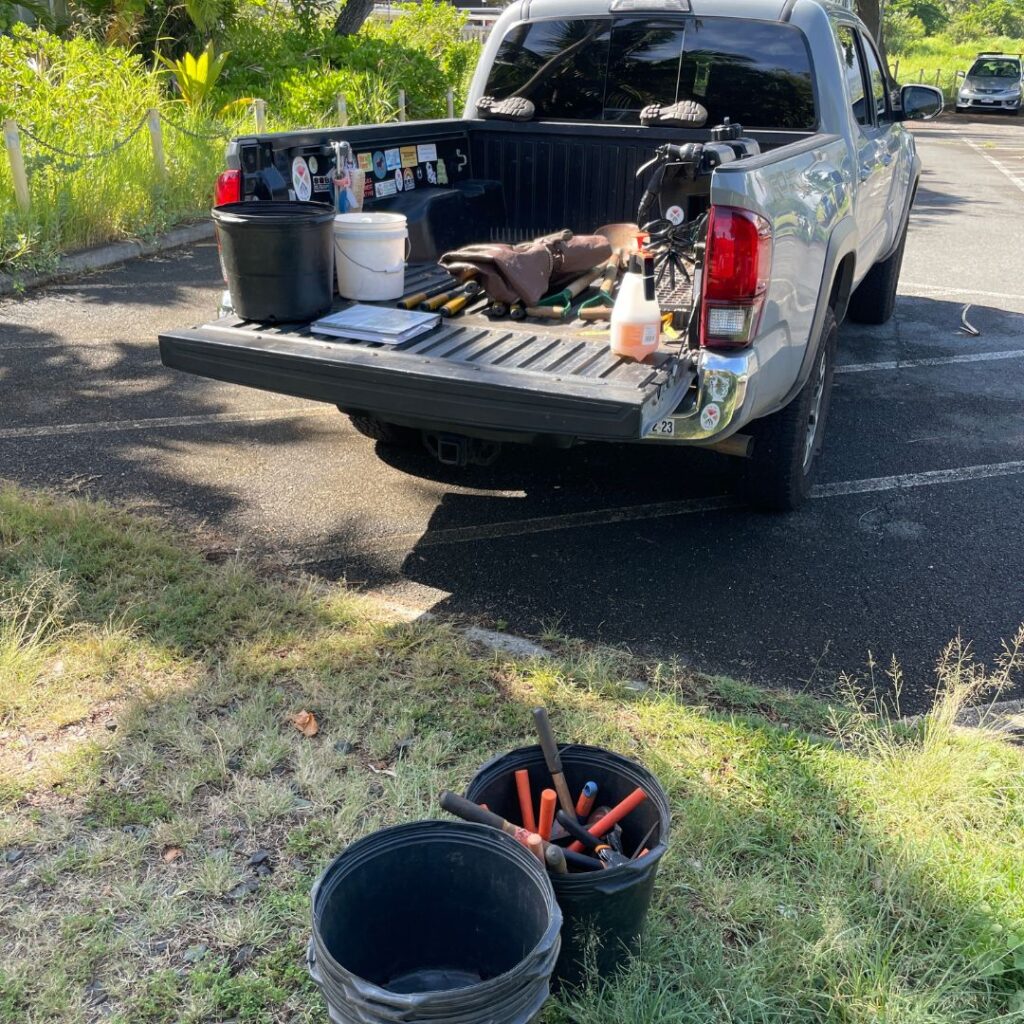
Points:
(228, 188)
(737, 264)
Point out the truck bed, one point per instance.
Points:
(520, 377)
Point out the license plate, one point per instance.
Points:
(664, 428)
(988, 101)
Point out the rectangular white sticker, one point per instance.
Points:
(386, 188)
(427, 152)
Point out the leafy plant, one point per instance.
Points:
(196, 76)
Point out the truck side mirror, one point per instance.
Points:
(920, 102)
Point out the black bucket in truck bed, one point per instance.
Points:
(468, 374)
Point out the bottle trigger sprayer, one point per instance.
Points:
(636, 315)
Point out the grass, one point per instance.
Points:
(826, 864)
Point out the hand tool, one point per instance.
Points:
(584, 839)
(547, 312)
(571, 290)
(535, 845)
(555, 860)
(456, 306)
(469, 811)
(603, 301)
(548, 799)
(412, 301)
(554, 761)
(588, 794)
(517, 311)
(581, 860)
(641, 847)
(610, 858)
(615, 815)
(497, 309)
(436, 301)
(525, 799)
(594, 312)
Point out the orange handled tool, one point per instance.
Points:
(548, 800)
(585, 803)
(525, 800)
(613, 817)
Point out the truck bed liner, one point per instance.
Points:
(534, 378)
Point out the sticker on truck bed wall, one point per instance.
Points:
(409, 158)
(427, 152)
(392, 158)
(399, 180)
(385, 188)
(409, 183)
(314, 164)
(442, 173)
(302, 181)
(431, 176)
(365, 162)
(380, 169)
(675, 215)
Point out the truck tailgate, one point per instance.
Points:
(469, 373)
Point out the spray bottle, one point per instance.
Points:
(636, 315)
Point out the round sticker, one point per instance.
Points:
(314, 165)
(379, 167)
(675, 215)
(710, 416)
(302, 182)
(399, 180)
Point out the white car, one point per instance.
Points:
(994, 82)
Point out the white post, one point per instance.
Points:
(342, 110)
(451, 103)
(260, 109)
(13, 142)
(156, 137)
(401, 104)
(920, 75)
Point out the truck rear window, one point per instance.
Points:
(757, 73)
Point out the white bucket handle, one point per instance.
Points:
(381, 270)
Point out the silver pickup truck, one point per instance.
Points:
(802, 222)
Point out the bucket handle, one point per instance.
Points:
(382, 270)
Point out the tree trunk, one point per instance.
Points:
(870, 12)
(351, 17)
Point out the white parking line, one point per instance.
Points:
(951, 290)
(908, 364)
(405, 542)
(116, 426)
(997, 164)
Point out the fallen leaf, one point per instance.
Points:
(382, 771)
(172, 853)
(305, 722)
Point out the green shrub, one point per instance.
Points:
(990, 17)
(902, 30)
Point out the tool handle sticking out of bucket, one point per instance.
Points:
(552, 758)
(613, 817)
(585, 803)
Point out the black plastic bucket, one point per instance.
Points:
(603, 909)
(434, 921)
(278, 258)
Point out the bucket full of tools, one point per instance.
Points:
(603, 822)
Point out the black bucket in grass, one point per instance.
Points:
(603, 911)
(278, 258)
(434, 921)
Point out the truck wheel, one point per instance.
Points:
(779, 473)
(386, 433)
(875, 297)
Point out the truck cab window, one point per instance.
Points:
(760, 77)
(854, 73)
(877, 80)
(559, 65)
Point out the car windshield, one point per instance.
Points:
(995, 69)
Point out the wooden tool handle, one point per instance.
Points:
(547, 741)
(547, 312)
(596, 313)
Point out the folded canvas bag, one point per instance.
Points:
(523, 273)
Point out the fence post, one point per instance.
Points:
(342, 110)
(401, 104)
(260, 109)
(896, 71)
(13, 142)
(938, 71)
(451, 104)
(156, 137)
(920, 75)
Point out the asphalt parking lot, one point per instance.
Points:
(913, 534)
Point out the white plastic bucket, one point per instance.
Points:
(370, 250)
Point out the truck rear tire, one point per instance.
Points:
(385, 433)
(780, 471)
(875, 298)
